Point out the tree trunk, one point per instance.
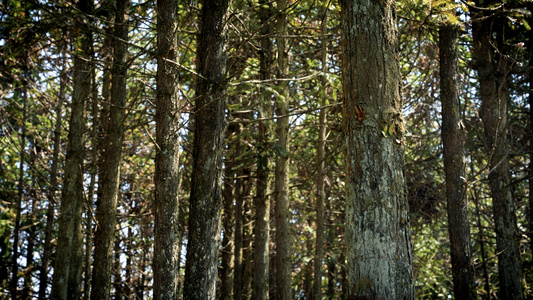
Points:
(20, 198)
(238, 239)
(166, 255)
(321, 159)
(281, 185)
(262, 199)
(68, 265)
(379, 251)
(529, 46)
(106, 209)
(493, 67)
(205, 200)
(226, 271)
(453, 140)
(51, 195)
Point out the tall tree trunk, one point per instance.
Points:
(51, 195)
(493, 67)
(205, 200)
(247, 253)
(166, 257)
(262, 199)
(20, 197)
(228, 194)
(239, 237)
(68, 265)
(321, 159)
(529, 46)
(379, 251)
(106, 207)
(453, 140)
(91, 190)
(281, 185)
(481, 241)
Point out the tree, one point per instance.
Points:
(377, 221)
(106, 209)
(281, 185)
(493, 67)
(321, 159)
(166, 180)
(262, 198)
(453, 139)
(209, 116)
(68, 262)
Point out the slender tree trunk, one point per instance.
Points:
(262, 199)
(20, 198)
(453, 139)
(92, 190)
(106, 209)
(247, 253)
(281, 185)
(226, 271)
(51, 195)
(379, 250)
(321, 158)
(205, 200)
(68, 265)
(166, 257)
(239, 236)
(481, 241)
(493, 68)
(529, 46)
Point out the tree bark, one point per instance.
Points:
(281, 185)
(493, 68)
(68, 265)
(205, 200)
(106, 208)
(379, 251)
(228, 194)
(51, 195)
(453, 140)
(321, 159)
(262, 198)
(167, 237)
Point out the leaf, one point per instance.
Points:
(391, 129)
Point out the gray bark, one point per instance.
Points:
(379, 251)
(106, 209)
(166, 234)
(262, 198)
(205, 200)
(68, 265)
(281, 185)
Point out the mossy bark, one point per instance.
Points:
(206, 199)
(166, 179)
(379, 251)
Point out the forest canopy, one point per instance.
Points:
(248, 149)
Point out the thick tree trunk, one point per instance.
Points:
(379, 252)
(166, 233)
(106, 209)
(68, 265)
(262, 198)
(453, 139)
(281, 185)
(493, 68)
(205, 200)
